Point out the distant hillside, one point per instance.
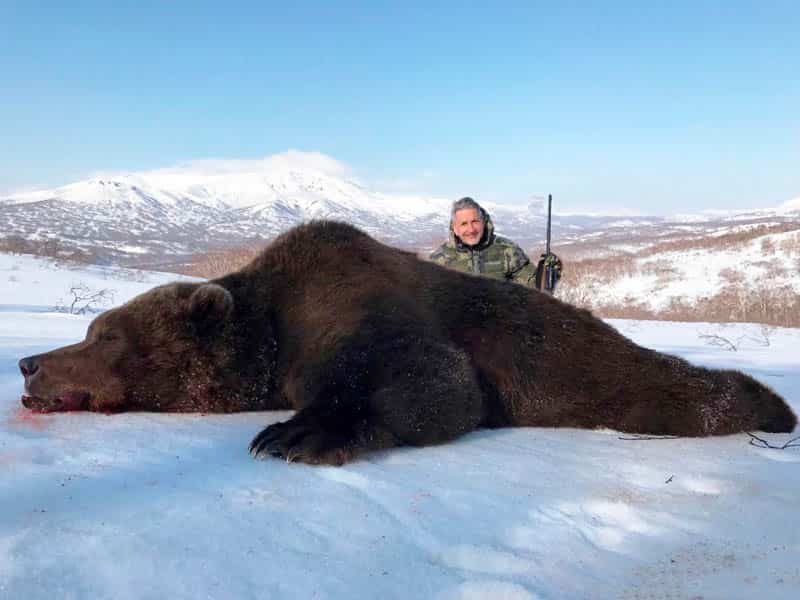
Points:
(741, 265)
(747, 272)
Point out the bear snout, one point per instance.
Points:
(48, 389)
(28, 366)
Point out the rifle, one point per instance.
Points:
(548, 271)
(549, 213)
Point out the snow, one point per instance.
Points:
(40, 284)
(790, 205)
(305, 180)
(171, 506)
(700, 273)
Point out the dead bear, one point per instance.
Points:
(375, 348)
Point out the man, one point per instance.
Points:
(473, 247)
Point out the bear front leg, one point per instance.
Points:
(403, 390)
(311, 438)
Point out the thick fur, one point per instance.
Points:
(375, 348)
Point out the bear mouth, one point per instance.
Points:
(64, 403)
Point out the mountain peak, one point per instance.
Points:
(202, 205)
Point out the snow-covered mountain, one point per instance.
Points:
(172, 213)
(160, 218)
(166, 215)
(738, 267)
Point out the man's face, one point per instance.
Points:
(468, 226)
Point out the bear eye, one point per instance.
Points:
(107, 336)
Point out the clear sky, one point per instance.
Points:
(655, 107)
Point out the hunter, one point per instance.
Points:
(473, 247)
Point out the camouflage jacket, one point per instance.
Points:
(494, 256)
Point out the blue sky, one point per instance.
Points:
(646, 106)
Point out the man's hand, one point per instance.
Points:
(548, 272)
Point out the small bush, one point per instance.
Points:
(82, 299)
(217, 264)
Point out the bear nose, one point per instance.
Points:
(28, 366)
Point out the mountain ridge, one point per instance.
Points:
(169, 215)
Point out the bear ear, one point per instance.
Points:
(210, 304)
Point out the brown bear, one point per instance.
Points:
(375, 348)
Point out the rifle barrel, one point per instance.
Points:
(549, 209)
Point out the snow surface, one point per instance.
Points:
(792, 205)
(171, 506)
(691, 275)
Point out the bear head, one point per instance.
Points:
(169, 349)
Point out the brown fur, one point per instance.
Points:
(375, 348)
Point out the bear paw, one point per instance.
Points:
(298, 441)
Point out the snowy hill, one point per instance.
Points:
(654, 265)
(164, 215)
(146, 505)
(747, 270)
(168, 214)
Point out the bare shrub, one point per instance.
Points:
(713, 339)
(82, 299)
(764, 336)
(598, 271)
(580, 278)
(731, 276)
(732, 240)
(776, 271)
(790, 244)
(136, 275)
(626, 311)
(14, 244)
(580, 296)
(771, 306)
(660, 268)
(428, 243)
(217, 264)
(49, 248)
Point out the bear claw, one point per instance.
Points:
(295, 442)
